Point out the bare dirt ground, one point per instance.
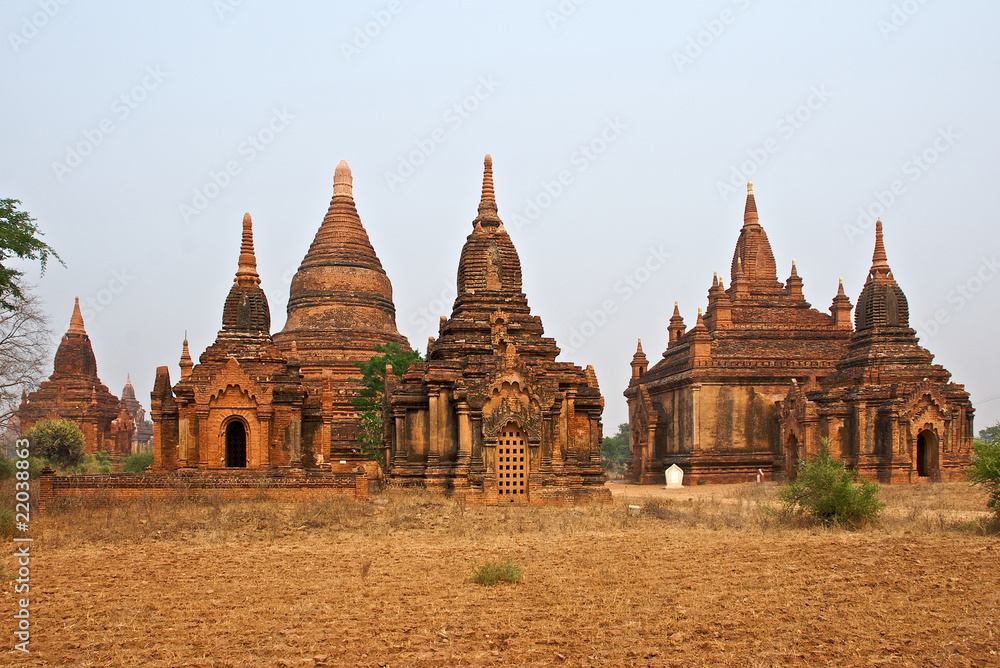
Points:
(701, 576)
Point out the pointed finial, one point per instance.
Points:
(343, 183)
(185, 364)
(880, 264)
(76, 320)
(677, 310)
(128, 379)
(295, 350)
(840, 288)
(488, 203)
(794, 273)
(750, 211)
(715, 279)
(246, 273)
(638, 348)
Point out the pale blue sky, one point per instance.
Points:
(198, 80)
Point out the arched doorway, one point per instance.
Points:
(512, 464)
(926, 454)
(236, 445)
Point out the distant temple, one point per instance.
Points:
(762, 376)
(491, 414)
(74, 392)
(142, 439)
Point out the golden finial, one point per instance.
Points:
(749, 187)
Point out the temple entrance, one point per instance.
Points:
(926, 454)
(236, 445)
(512, 464)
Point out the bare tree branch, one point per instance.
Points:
(25, 348)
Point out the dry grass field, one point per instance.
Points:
(700, 576)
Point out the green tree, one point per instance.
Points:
(20, 238)
(614, 450)
(985, 466)
(369, 400)
(59, 441)
(827, 490)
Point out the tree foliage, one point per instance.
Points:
(137, 462)
(19, 238)
(984, 469)
(25, 345)
(614, 450)
(59, 441)
(369, 399)
(825, 489)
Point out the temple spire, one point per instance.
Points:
(246, 274)
(343, 182)
(487, 203)
(880, 263)
(76, 321)
(750, 211)
(186, 364)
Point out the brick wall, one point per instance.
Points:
(53, 488)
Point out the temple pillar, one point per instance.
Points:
(402, 446)
(202, 450)
(434, 440)
(464, 434)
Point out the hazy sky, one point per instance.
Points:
(622, 134)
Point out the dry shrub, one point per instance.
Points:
(491, 573)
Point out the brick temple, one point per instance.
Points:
(491, 414)
(887, 409)
(74, 392)
(725, 401)
(142, 438)
(339, 308)
(240, 407)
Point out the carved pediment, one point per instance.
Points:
(528, 417)
(232, 376)
(509, 369)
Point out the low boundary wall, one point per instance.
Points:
(243, 485)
